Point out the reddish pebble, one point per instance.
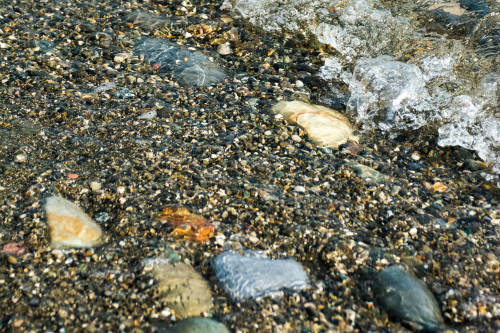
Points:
(13, 249)
(73, 176)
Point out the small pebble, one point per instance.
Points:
(299, 84)
(21, 158)
(12, 260)
(95, 186)
(300, 189)
(296, 138)
(148, 115)
(224, 49)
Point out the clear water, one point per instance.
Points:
(401, 74)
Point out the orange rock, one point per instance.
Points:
(439, 187)
(187, 225)
(69, 225)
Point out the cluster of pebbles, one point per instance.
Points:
(111, 111)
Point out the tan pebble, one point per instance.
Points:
(95, 186)
(12, 260)
(62, 313)
(69, 226)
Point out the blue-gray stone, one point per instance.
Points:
(253, 275)
(190, 68)
(197, 325)
(407, 299)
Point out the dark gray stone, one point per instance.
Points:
(196, 325)
(407, 299)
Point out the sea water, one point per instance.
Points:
(401, 75)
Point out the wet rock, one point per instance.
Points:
(253, 275)
(196, 325)
(69, 225)
(13, 248)
(190, 68)
(181, 288)
(406, 298)
(368, 174)
(448, 17)
(324, 126)
(224, 49)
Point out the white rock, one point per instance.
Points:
(326, 127)
(299, 188)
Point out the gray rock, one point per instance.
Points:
(368, 174)
(253, 275)
(406, 298)
(196, 325)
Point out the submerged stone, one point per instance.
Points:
(196, 325)
(69, 225)
(406, 298)
(326, 127)
(253, 275)
(190, 68)
(368, 174)
(181, 288)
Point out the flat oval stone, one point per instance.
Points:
(252, 275)
(69, 225)
(197, 325)
(406, 298)
(326, 127)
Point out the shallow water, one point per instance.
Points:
(420, 65)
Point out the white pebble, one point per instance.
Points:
(413, 231)
(95, 186)
(299, 188)
(148, 115)
(296, 138)
(415, 156)
(299, 84)
(21, 158)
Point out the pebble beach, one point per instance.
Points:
(154, 177)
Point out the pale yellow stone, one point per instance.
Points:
(69, 226)
(183, 289)
(325, 126)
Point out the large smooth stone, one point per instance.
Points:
(406, 298)
(326, 127)
(190, 68)
(69, 225)
(196, 325)
(182, 289)
(252, 275)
